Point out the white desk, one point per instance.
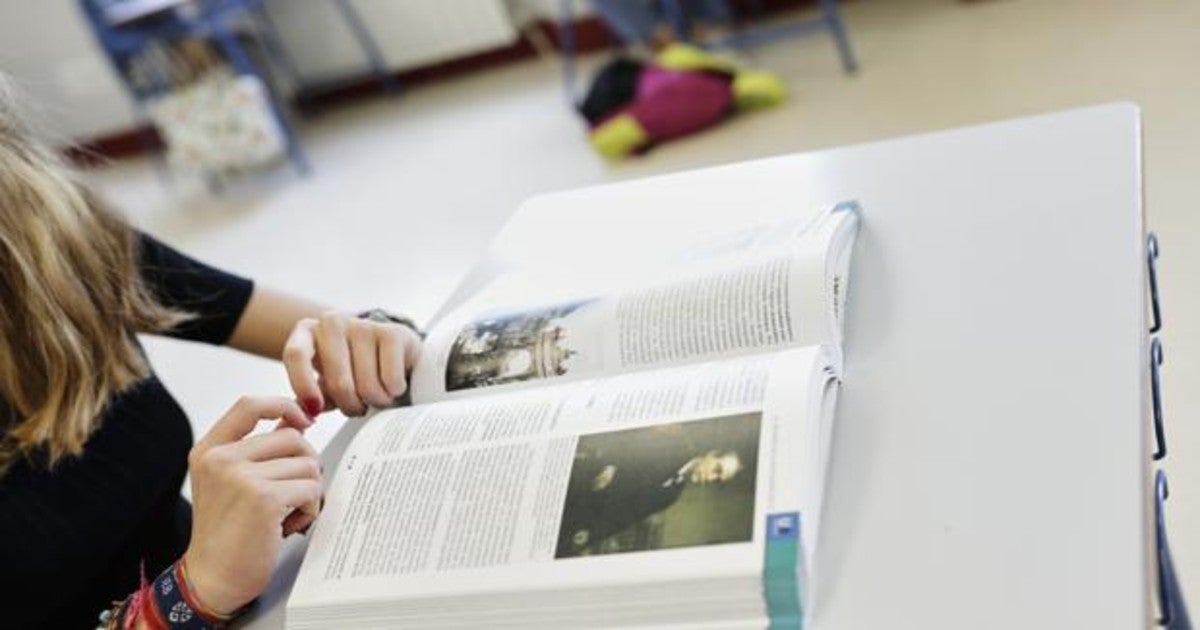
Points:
(989, 468)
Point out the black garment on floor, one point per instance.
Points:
(613, 87)
(74, 538)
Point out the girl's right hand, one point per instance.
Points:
(248, 493)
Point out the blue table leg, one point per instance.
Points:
(678, 20)
(370, 47)
(833, 19)
(566, 43)
(273, 43)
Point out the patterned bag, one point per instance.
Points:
(220, 122)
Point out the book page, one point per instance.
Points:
(663, 475)
(764, 288)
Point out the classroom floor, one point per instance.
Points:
(407, 191)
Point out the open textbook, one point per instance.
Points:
(608, 446)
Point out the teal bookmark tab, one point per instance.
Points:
(781, 578)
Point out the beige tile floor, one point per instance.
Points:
(407, 191)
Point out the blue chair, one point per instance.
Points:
(830, 19)
(126, 28)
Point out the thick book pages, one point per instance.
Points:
(625, 445)
(573, 502)
(765, 287)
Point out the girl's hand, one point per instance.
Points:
(248, 493)
(349, 363)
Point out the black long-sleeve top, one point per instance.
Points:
(76, 537)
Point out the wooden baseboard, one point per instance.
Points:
(114, 146)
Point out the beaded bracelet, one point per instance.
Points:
(167, 603)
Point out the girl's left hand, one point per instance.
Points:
(338, 360)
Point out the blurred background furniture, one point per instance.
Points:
(127, 29)
(675, 14)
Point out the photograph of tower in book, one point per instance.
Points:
(511, 347)
(682, 484)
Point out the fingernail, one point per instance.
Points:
(313, 406)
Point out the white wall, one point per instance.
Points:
(409, 32)
(47, 47)
(548, 9)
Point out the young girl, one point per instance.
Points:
(93, 448)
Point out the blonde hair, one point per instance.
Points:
(72, 300)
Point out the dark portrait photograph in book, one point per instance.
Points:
(659, 487)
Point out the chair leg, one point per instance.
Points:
(566, 39)
(153, 143)
(633, 21)
(273, 44)
(677, 18)
(242, 65)
(833, 19)
(369, 46)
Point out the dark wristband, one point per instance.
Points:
(167, 603)
(387, 317)
(178, 606)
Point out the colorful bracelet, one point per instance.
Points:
(167, 603)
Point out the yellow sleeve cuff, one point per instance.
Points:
(686, 57)
(619, 137)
